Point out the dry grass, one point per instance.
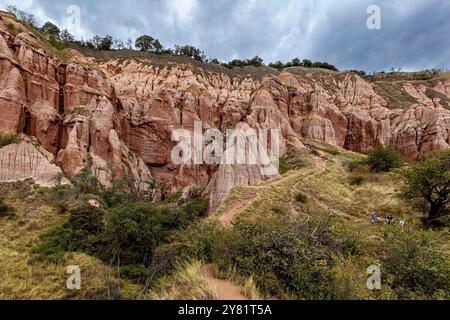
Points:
(23, 277)
(328, 189)
(187, 283)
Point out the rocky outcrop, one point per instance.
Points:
(26, 160)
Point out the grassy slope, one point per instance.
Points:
(25, 278)
(323, 178)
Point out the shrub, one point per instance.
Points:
(357, 180)
(135, 230)
(86, 183)
(285, 258)
(353, 165)
(8, 139)
(301, 197)
(5, 210)
(383, 159)
(414, 266)
(196, 242)
(55, 42)
(81, 233)
(81, 111)
(12, 28)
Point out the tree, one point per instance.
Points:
(145, 43)
(106, 43)
(255, 62)
(102, 43)
(50, 29)
(129, 44)
(277, 65)
(158, 46)
(118, 44)
(191, 52)
(23, 16)
(307, 63)
(427, 183)
(383, 159)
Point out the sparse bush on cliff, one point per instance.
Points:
(237, 63)
(304, 63)
(8, 139)
(191, 52)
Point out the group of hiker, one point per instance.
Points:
(388, 220)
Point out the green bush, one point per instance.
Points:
(81, 233)
(301, 197)
(135, 230)
(196, 242)
(81, 111)
(353, 165)
(414, 265)
(357, 180)
(285, 258)
(5, 210)
(55, 42)
(86, 183)
(8, 139)
(383, 159)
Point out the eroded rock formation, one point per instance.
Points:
(118, 116)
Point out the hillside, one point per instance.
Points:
(88, 177)
(320, 174)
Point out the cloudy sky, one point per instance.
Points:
(414, 34)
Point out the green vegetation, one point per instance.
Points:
(427, 184)
(81, 111)
(285, 257)
(191, 52)
(149, 44)
(79, 234)
(306, 235)
(12, 28)
(304, 63)
(127, 233)
(383, 159)
(5, 210)
(8, 139)
(301, 197)
(254, 62)
(414, 266)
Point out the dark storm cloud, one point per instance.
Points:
(414, 34)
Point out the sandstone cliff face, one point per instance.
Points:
(119, 115)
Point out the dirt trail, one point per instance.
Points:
(225, 289)
(251, 193)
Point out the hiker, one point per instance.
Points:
(380, 220)
(374, 216)
(390, 220)
(402, 223)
